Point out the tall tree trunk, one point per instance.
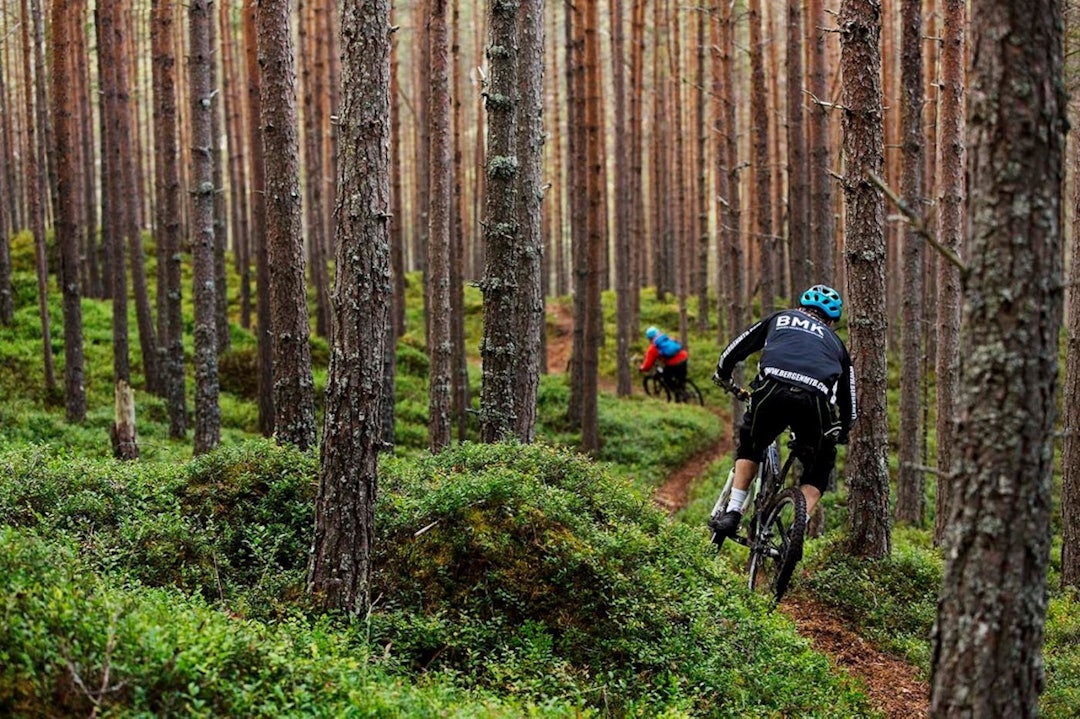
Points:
(802, 269)
(207, 411)
(594, 246)
(867, 464)
(438, 245)
(822, 226)
(294, 388)
(314, 167)
(733, 240)
(221, 223)
(459, 366)
(624, 331)
(1070, 451)
(910, 481)
(232, 97)
(7, 297)
(702, 182)
(529, 199)
(950, 227)
(502, 228)
(167, 183)
(340, 570)
(763, 189)
(66, 16)
(987, 643)
(35, 188)
(263, 314)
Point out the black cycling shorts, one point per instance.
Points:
(775, 406)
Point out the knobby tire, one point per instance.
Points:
(778, 543)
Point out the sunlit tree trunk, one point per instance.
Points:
(867, 467)
(988, 638)
(340, 571)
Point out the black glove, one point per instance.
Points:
(722, 382)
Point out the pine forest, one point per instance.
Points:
(611, 358)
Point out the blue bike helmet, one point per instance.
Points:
(825, 299)
(651, 333)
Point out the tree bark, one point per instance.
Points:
(1070, 451)
(802, 269)
(910, 480)
(759, 111)
(263, 314)
(867, 467)
(822, 225)
(171, 321)
(66, 16)
(594, 241)
(502, 234)
(294, 388)
(207, 411)
(438, 245)
(950, 232)
(624, 332)
(529, 198)
(987, 644)
(340, 569)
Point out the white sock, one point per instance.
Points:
(735, 501)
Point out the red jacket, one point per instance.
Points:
(653, 354)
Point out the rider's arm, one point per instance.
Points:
(651, 355)
(746, 344)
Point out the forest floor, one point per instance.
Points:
(893, 685)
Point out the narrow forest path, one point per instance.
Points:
(892, 684)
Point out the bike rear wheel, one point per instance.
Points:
(654, 387)
(778, 543)
(692, 394)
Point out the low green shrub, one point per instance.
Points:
(75, 644)
(532, 568)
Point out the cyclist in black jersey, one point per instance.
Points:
(805, 381)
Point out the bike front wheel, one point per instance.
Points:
(778, 543)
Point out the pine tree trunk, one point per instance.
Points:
(1070, 451)
(167, 183)
(207, 411)
(63, 27)
(867, 464)
(438, 247)
(759, 111)
(822, 226)
(988, 638)
(802, 269)
(314, 126)
(502, 233)
(624, 331)
(340, 571)
(263, 315)
(950, 230)
(529, 198)
(7, 297)
(594, 241)
(234, 134)
(294, 388)
(397, 197)
(459, 367)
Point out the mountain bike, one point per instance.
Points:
(777, 523)
(657, 385)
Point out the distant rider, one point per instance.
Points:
(804, 376)
(672, 356)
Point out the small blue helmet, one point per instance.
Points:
(825, 299)
(651, 333)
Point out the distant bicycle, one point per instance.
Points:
(777, 526)
(657, 385)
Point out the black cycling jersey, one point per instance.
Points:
(799, 349)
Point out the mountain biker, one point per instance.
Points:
(671, 355)
(804, 374)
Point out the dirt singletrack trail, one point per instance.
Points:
(893, 685)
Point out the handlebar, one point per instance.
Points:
(728, 386)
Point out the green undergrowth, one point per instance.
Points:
(525, 573)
